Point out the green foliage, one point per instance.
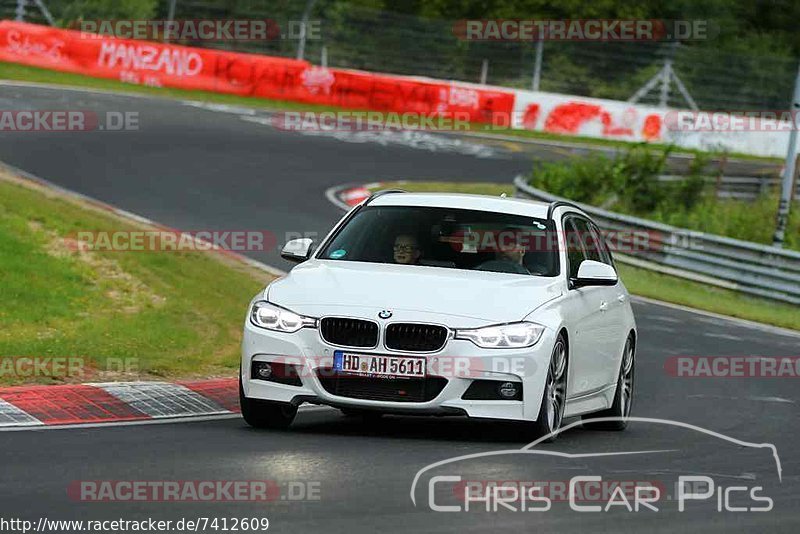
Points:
(68, 11)
(629, 184)
(629, 181)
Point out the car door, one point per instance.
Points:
(587, 320)
(615, 300)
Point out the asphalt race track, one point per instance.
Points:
(196, 169)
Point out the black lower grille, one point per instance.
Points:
(414, 337)
(381, 389)
(349, 332)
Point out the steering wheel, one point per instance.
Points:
(502, 266)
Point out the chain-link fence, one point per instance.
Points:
(360, 38)
(26, 10)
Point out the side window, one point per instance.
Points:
(588, 239)
(605, 254)
(575, 252)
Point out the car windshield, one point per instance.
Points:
(448, 238)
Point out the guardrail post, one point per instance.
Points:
(721, 174)
(484, 71)
(787, 195)
(170, 16)
(301, 47)
(20, 12)
(763, 185)
(789, 169)
(537, 67)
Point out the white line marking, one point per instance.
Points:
(220, 108)
(665, 319)
(746, 399)
(658, 328)
(723, 336)
(159, 421)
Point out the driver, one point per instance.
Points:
(509, 256)
(406, 249)
(509, 247)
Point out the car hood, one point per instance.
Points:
(318, 288)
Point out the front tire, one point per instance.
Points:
(266, 414)
(623, 398)
(551, 412)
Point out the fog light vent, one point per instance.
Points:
(493, 390)
(281, 373)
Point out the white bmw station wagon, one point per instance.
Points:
(445, 304)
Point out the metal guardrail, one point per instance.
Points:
(750, 268)
(738, 187)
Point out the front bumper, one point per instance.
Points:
(459, 362)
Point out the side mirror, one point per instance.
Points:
(594, 273)
(297, 250)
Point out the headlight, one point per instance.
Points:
(275, 318)
(505, 336)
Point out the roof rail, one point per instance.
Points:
(377, 194)
(557, 204)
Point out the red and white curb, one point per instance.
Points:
(354, 196)
(348, 196)
(36, 406)
(120, 403)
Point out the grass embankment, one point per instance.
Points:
(12, 71)
(647, 283)
(123, 315)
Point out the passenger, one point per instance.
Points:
(406, 250)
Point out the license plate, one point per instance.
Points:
(378, 366)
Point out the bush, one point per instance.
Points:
(582, 180)
(69, 11)
(629, 184)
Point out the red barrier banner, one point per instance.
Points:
(167, 65)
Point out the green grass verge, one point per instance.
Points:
(647, 283)
(155, 314)
(13, 71)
